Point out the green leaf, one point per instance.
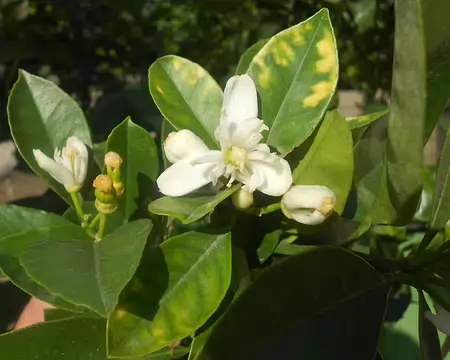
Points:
(404, 149)
(437, 35)
(329, 161)
(371, 202)
(15, 220)
(357, 122)
(268, 245)
(20, 228)
(181, 285)
(240, 280)
(429, 339)
(189, 209)
(140, 164)
(53, 314)
(296, 75)
(68, 339)
(164, 354)
(441, 202)
(41, 116)
(247, 57)
(87, 272)
(297, 307)
(187, 96)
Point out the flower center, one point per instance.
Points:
(328, 205)
(236, 157)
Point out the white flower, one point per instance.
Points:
(308, 204)
(241, 157)
(441, 319)
(69, 166)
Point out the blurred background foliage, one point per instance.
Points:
(99, 51)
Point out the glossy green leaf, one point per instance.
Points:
(140, 164)
(371, 200)
(437, 36)
(329, 161)
(87, 272)
(357, 122)
(189, 209)
(68, 339)
(404, 149)
(429, 339)
(240, 280)
(296, 75)
(41, 116)
(183, 283)
(268, 245)
(53, 314)
(15, 220)
(441, 202)
(247, 57)
(20, 228)
(297, 306)
(165, 354)
(187, 96)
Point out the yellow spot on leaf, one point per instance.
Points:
(326, 50)
(158, 89)
(176, 63)
(307, 26)
(283, 53)
(297, 37)
(120, 314)
(264, 72)
(320, 92)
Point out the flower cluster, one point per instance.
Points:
(241, 157)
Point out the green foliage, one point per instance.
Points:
(311, 271)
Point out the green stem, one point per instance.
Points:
(266, 209)
(102, 226)
(77, 204)
(94, 221)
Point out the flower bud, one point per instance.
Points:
(68, 166)
(104, 189)
(183, 143)
(113, 160)
(242, 199)
(308, 204)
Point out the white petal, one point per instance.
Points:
(306, 196)
(183, 143)
(184, 177)
(307, 217)
(275, 176)
(58, 171)
(247, 134)
(81, 158)
(240, 100)
(440, 320)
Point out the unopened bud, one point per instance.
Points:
(104, 189)
(242, 199)
(308, 204)
(183, 143)
(113, 160)
(119, 188)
